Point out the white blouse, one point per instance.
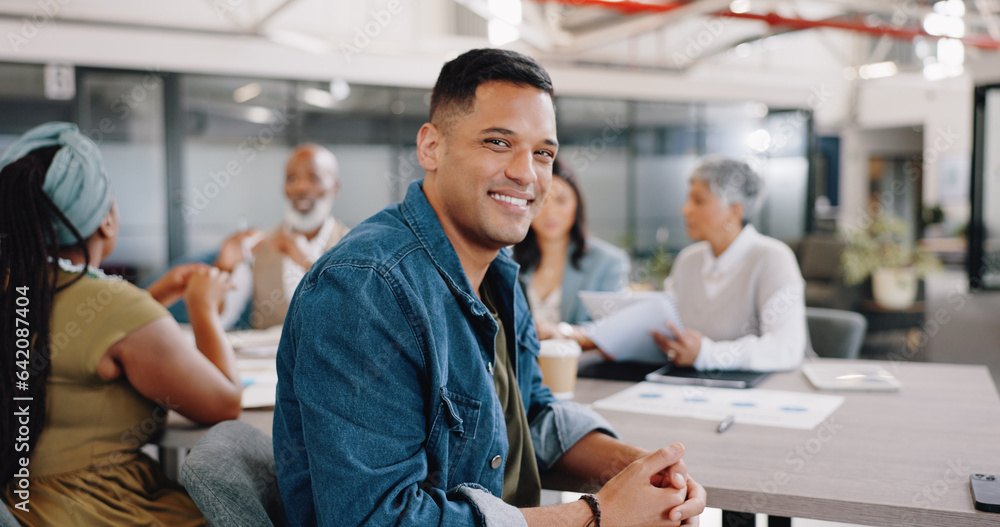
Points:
(548, 308)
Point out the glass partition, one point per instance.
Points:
(123, 113)
(228, 139)
(984, 226)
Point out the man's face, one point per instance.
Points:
(309, 177)
(488, 170)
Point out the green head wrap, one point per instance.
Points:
(76, 181)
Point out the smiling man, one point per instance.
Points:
(408, 390)
(282, 256)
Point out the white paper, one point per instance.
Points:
(623, 322)
(756, 407)
(256, 342)
(260, 381)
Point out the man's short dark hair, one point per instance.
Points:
(455, 89)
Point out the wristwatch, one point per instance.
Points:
(565, 329)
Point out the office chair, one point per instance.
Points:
(7, 518)
(836, 333)
(230, 476)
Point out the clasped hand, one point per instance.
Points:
(654, 490)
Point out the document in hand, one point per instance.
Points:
(623, 321)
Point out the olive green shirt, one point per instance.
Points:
(522, 486)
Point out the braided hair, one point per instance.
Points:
(28, 243)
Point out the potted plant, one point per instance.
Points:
(881, 252)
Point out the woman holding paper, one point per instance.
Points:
(739, 293)
(94, 362)
(558, 260)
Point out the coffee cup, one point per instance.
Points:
(558, 359)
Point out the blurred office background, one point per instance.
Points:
(839, 105)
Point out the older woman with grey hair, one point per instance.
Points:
(739, 293)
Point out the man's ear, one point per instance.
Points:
(429, 140)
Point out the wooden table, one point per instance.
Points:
(884, 459)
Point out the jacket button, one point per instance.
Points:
(495, 462)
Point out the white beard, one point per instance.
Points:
(308, 221)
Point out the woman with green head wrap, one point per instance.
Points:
(95, 362)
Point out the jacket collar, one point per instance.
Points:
(427, 228)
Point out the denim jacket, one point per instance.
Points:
(386, 410)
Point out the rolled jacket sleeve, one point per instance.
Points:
(559, 426)
(493, 512)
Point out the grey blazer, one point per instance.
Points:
(603, 267)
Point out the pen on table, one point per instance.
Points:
(726, 423)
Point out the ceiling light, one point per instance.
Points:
(318, 97)
(506, 16)
(944, 26)
(507, 10)
(760, 140)
(246, 92)
(877, 70)
(258, 114)
(950, 8)
(340, 89)
(740, 6)
(501, 33)
(951, 51)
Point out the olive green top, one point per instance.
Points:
(522, 486)
(86, 468)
